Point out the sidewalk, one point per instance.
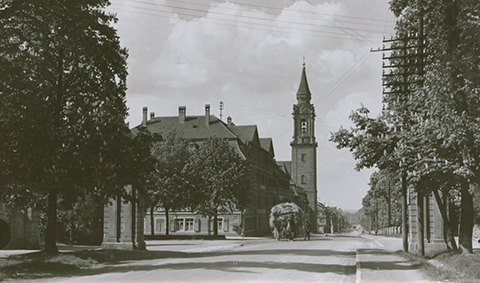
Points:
(190, 246)
(383, 264)
(61, 248)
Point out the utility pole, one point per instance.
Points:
(403, 75)
(420, 195)
(389, 204)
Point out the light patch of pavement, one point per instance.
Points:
(212, 248)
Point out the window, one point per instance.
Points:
(189, 224)
(179, 224)
(304, 157)
(303, 126)
(304, 179)
(158, 224)
(220, 224)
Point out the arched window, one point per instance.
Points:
(304, 179)
(303, 126)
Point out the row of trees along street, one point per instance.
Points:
(382, 207)
(64, 143)
(428, 131)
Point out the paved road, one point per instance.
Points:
(323, 259)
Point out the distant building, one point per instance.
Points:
(322, 218)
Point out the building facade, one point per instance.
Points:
(270, 186)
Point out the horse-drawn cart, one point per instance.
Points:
(286, 220)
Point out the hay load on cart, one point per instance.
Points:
(286, 220)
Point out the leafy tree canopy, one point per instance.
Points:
(62, 102)
(220, 176)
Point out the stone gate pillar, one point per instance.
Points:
(436, 235)
(123, 224)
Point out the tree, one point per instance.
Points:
(382, 201)
(431, 107)
(220, 178)
(81, 221)
(143, 165)
(448, 121)
(62, 104)
(171, 189)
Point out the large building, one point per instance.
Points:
(271, 183)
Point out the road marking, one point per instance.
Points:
(359, 271)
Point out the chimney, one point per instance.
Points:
(182, 114)
(207, 115)
(152, 115)
(144, 121)
(229, 121)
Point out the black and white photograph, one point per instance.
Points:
(240, 141)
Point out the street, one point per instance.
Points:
(324, 258)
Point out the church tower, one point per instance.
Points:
(304, 147)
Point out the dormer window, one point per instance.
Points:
(303, 126)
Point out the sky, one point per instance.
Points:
(249, 55)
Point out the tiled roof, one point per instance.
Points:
(267, 144)
(193, 128)
(246, 133)
(285, 166)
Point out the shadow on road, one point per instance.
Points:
(231, 266)
(131, 261)
(374, 260)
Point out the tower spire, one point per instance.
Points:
(303, 93)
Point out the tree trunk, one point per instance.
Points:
(404, 213)
(466, 219)
(134, 216)
(209, 229)
(167, 223)
(215, 225)
(152, 219)
(420, 220)
(50, 239)
(389, 205)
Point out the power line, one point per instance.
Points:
(245, 17)
(345, 76)
(241, 16)
(281, 9)
(343, 29)
(314, 33)
(311, 33)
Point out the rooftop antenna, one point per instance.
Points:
(221, 110)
